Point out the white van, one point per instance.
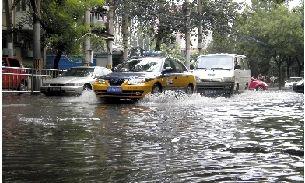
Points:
(219, 74)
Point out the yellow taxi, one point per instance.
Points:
(138, 77)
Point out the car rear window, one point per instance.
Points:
(14, 62)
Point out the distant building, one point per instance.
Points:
(22, 31)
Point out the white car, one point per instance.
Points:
(292, 80)
(74, 81)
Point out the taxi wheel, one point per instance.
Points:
(156, 88)
(189, 89)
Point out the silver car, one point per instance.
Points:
(291, 81)
(74, 81)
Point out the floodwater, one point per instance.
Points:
(250, 137)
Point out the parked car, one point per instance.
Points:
(256, 84)
(138, 77)
(299, 86)
(74, 81)
(291, 81)
(14, 76)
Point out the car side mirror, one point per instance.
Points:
(192, 67)
(237, 67)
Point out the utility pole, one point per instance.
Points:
(188, 35)
(37, 62)
(110, 31)
(9, 27)
(200, 27)
(87, 41)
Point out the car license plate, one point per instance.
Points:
(55, 89)
(114, 89)
(210, 92)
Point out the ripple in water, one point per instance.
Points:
(170, 137)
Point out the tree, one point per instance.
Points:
(218, 17)
(63, 25)
(271, 33)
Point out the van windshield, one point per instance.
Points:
(215, 62)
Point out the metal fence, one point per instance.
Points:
(15, 79)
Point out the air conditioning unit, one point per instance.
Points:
(29, 53)
(5, 51)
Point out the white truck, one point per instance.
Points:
(222, 74)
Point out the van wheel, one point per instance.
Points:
(87, 86)
(156, 88)
(189, 89)
(237, 87)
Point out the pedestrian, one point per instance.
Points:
(272, 79)
(260, 77)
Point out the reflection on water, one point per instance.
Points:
(254, 136)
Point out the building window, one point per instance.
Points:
(3, 6)
(21, 6)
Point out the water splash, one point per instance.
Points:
(87, 96)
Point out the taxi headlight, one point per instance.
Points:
(100, 81)
(136, 81)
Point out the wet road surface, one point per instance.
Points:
(250, 137)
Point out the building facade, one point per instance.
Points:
(21, 31)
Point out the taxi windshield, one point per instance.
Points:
(215, 62)
(79, 72)
(141, 65)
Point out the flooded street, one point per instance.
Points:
(253, 136)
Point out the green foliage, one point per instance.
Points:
(159, 19)
(273, 32)
(268, 33)
(173, 50)
(63, 25)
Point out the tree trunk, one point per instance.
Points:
(9, 25)
(279, 60)
(125, 32)
(110, 31)
(57, 59)
(280, 75)
(300, 66)
(159, 39)
(200, 27)
(288, 63)
(188, 35)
